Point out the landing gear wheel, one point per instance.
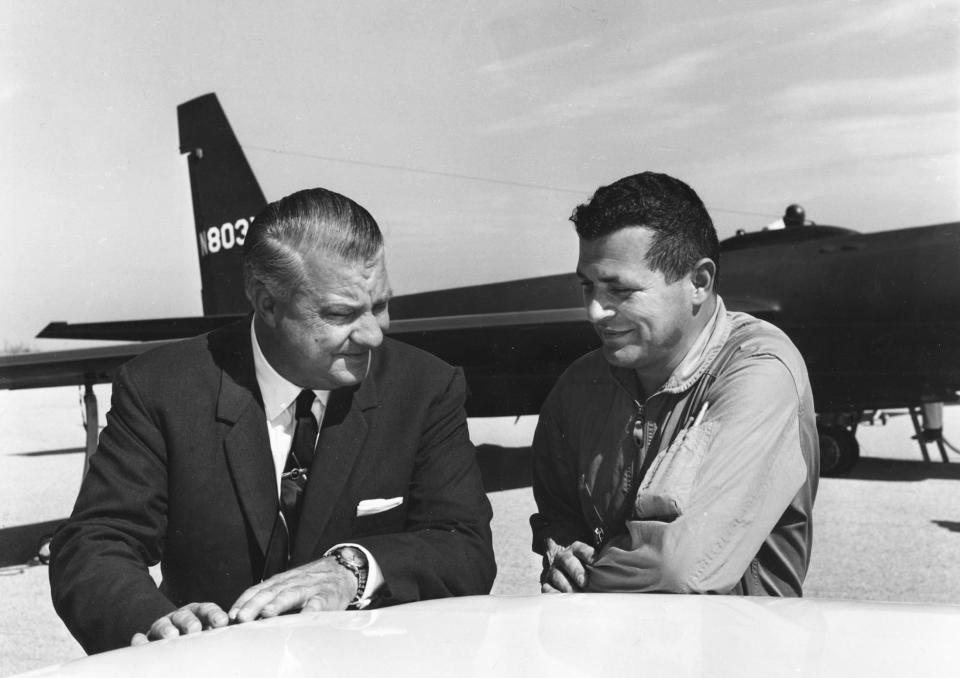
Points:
(43, 549)
(839, 450)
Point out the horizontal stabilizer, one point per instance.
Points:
(764, 308)
(153, 329)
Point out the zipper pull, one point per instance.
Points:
(639, 434)
(597, 537)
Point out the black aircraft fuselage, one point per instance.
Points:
(876, 316)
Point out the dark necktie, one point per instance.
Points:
(295, 473)
(292, 481)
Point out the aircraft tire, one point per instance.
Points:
(43, 549)
(839, 450)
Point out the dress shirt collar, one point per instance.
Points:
(278, 393)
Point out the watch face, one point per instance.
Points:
(353, 556)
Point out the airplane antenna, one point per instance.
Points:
(455, 175)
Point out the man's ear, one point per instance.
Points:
(265, 305)
(703, 276)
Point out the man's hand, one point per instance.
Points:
(565, 572)
(191, 618)
(323, 584)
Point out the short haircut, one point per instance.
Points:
(291, 228)
(683, 232)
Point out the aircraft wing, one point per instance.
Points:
(153, 329)
(516, 339)
(69, 367)
(150, 329)
(511, 359)
(756, 306)
(581, 634)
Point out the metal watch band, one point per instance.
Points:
(355, 561)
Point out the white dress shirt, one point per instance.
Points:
(279, 405)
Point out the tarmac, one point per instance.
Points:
(889, 530)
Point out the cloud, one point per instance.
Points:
(8, 91)
(539, 57)
(891, 137)
(651, 89)
(831, 25)
(845, 151)
(921, 91)
(893, 18)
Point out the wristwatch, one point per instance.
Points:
(354, 560)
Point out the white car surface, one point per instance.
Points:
(611, 635)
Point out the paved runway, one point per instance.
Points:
(888, 531)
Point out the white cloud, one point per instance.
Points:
(893, 18)
(650, 89)
(528, 60)
(8, 91)
(829, 24)
(917, 92)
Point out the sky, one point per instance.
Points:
(470, 130)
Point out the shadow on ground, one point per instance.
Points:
(18, 545)
(504, 468)
(869, 468)
(951, 525)
(508, 468)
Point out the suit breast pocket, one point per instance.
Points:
(384, 522)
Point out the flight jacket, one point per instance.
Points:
(706, 486)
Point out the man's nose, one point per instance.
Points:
(369, 331)
(596, 312)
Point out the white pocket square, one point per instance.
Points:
(369, 507)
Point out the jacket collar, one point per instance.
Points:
(341, 453)
(708, 344)
(277, 392)
(247, 445)
(700, 356)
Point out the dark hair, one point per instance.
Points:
(683, 232)
(292, 227)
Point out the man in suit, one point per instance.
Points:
(204, 465)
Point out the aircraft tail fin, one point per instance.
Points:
(226, 197)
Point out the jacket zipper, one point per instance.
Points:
(639, 426)
(599, 531)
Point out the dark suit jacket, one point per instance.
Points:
(183, 475)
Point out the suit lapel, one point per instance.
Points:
(246, 443)
(339, 449)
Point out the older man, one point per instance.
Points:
(294, 461)
(681, 455)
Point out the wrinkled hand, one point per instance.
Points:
(565, 572)
(191, 618)
(321, 585)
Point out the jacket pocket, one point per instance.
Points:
(665, 491)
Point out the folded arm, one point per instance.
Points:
(560, 534)
(710, 507)
(99, 579)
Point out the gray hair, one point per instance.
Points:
(287, 230)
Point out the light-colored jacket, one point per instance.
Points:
(675, 502)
